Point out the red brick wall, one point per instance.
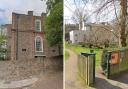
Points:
(26, 37)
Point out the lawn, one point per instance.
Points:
(66, 55)
(78, 49)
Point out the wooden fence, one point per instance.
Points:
(86, 67)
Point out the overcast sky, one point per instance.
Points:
(70, 6)
(19, 6)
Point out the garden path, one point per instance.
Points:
(72, 81)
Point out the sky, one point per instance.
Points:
(19, 6)
(70, 6)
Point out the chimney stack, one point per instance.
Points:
(30, 13)
(43, 14)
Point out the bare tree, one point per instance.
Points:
(105, 7)
(79, 11)
(120, 17)
(80, 16)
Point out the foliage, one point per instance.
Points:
(2, 39)
(54, 25)
(78, 49)
(3, 51)
(51, 4)
(66, 55)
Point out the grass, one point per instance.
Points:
(78, 49)
(66, 55)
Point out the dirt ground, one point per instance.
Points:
(72, 81)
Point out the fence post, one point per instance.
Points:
(94, 64)
(108, 64)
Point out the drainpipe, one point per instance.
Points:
(17, 38)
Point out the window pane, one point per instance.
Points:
(38, 44)
(38, 25)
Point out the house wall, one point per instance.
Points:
(8, 26)
(77, 36)
(23, 44)
(93, 33)
(23, 37)
(71, 36)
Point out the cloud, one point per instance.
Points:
(2, 10)
(20, 6)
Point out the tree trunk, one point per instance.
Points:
(123, 22)
(119, 40)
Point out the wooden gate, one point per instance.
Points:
(117, 62)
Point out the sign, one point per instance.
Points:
(115, 58)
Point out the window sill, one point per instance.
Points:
(38, 32)
(39, 54)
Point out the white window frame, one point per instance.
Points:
(37, 20)
(41, 43)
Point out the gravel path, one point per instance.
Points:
(71, 81)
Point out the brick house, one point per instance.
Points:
(27, 37)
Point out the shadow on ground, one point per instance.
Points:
(104, 84)
(122, 78)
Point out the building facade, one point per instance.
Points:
(93, 33)
(77, 36)
(27, 37)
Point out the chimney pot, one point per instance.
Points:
(43, 14)
(30, 13)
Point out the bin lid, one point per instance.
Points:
(88, 54)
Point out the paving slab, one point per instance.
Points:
(17, 84)
(49, 81)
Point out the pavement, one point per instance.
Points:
(17, 84)
(47, 80)
(53, 80)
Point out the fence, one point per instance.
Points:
(117, 62)
(86, 67)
